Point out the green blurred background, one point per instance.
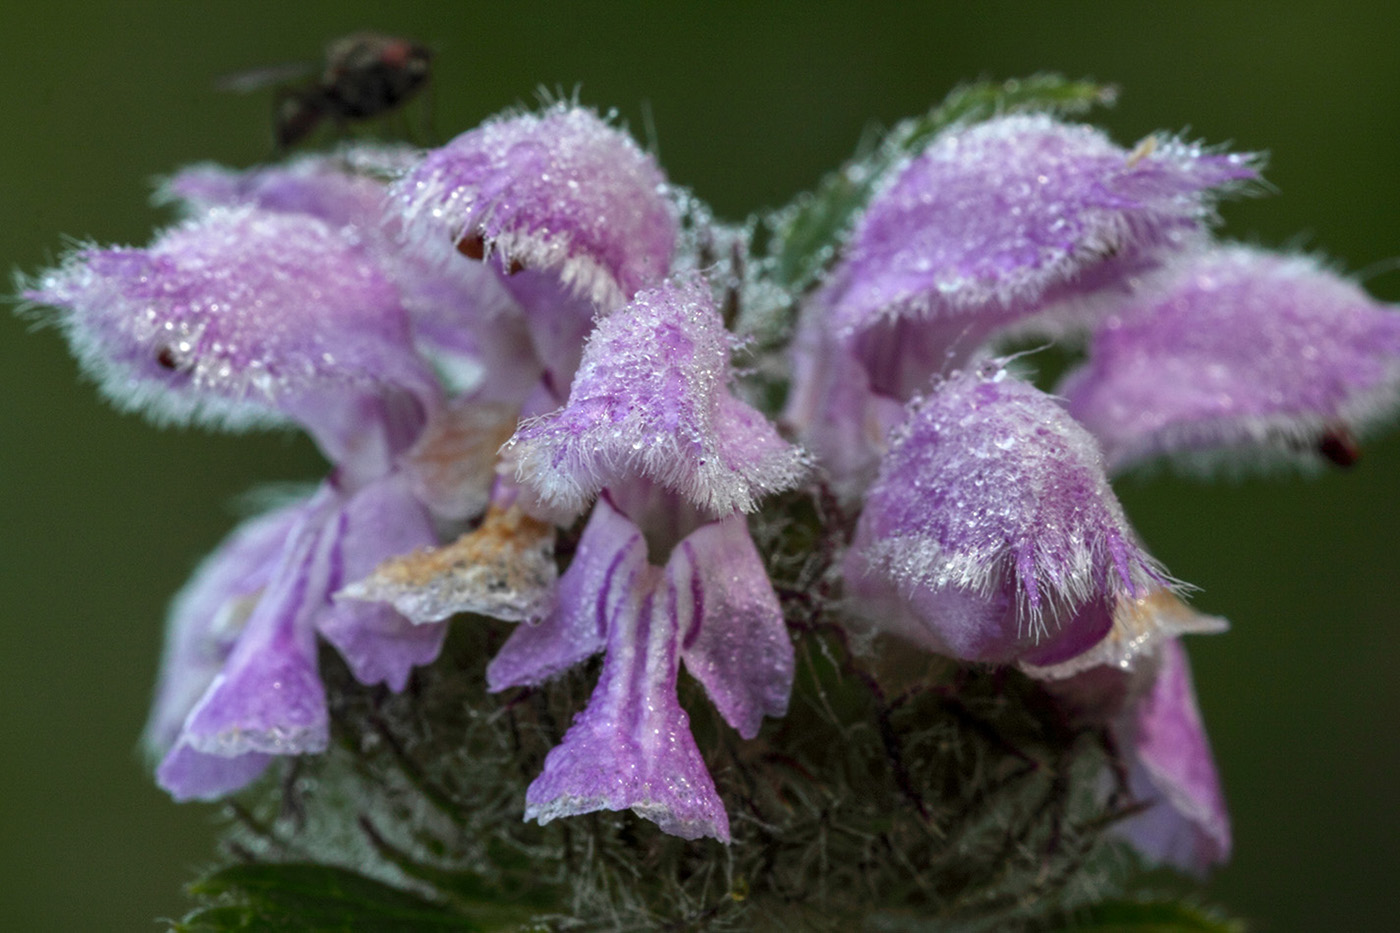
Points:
(103, 517)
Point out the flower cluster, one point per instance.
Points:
(988, 530)
(526, 332)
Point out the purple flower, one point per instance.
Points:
(256, 580)
(1150, 709)
(206, 619)
(559, 192)
(651, 423)
(991, 533)
(240, 676)
(995, 221)
(344, 189)
(489, 338)
(1235, 349)
(711, 606)
(240, 316)
(1189, 826)
(1020, 217)
(652, 399)
(573, 217)
(988, 530)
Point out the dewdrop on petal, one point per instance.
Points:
(991, 533)
(996, 221)
(1240, 351)
(652, 399)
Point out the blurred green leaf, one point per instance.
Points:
(1143, 916)
(498, 899)
(808, 231)
(302, 897)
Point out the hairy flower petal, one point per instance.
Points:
(991, 530)
(736, 642)
(208, 615)
(1237, 348)
(996, 220)
(377, 643)
(463, 316)
(560, 192)
(632, 748)
(606, 567)
(651, 399)
(1189, 826)
(233, 317)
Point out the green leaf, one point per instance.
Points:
(305, 897)
(807, 233)
(1148, 916)
(472, 891)
(985, 99)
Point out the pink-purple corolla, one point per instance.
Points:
(531, 286)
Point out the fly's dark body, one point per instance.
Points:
(365, 75)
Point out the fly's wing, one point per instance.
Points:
(256, 79)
